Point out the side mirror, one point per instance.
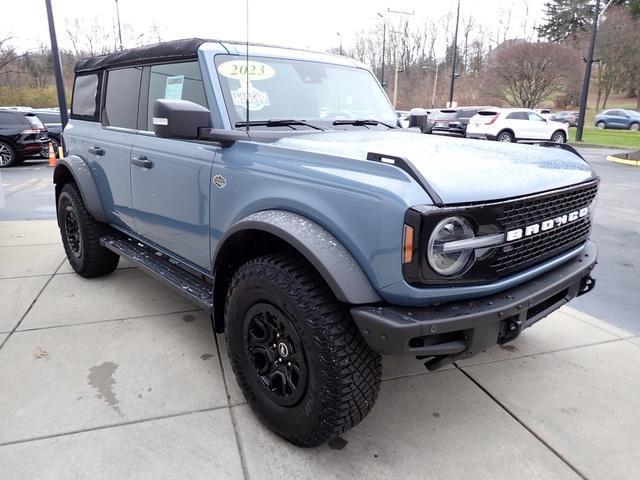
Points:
(179, 119)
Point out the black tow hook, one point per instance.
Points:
(509, 330)
(586, 285)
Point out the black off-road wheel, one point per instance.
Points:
(301, 362)
(81, 236)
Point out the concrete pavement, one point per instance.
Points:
(119, 378)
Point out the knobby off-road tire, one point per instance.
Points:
(81, 236)
(301, 362)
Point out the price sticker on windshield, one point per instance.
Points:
(237, 69)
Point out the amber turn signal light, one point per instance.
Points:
(407, 244)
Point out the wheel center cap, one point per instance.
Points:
(283, 350)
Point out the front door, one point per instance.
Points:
(537, 127)
(171, 179)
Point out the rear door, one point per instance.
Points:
(171, 178)
(109, 154)
(617, 119)
(519, 123)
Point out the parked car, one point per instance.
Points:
(51, 120)
(453, 121)
(316, 233)
(515, 125)
(21, 134)
(570, 118)
(50, 117)
(619, 118)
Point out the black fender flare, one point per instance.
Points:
(325, 252)
(83, 177)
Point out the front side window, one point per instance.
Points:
(279, 88)
(121, 102)
(535, 117)
(177, 81)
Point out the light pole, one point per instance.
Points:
(397, 54)
(384, 39)
(435, 82)
(57, 66)
(119, 29)
(455, 57)
(340, 37)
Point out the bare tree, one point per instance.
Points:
(8, 54)
(618, 50)
(525, 74)
(88, 37)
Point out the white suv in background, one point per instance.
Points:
(515, 125)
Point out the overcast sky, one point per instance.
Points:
(296, 23)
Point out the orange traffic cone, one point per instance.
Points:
(52, 156)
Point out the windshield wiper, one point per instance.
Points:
(361, 122)
(278, 123)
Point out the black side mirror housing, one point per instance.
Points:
(179, 119)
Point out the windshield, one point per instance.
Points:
(300, 90)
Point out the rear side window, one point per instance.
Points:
(84, 105)
(176, 81)
(10, 118)
(121, 100)
(518, 116)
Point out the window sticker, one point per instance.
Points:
(257, 98)
(237, 69)
(173, 87)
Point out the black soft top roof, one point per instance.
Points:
(174, 50)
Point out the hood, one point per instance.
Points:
(459, 170)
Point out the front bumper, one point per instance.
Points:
(464, 328)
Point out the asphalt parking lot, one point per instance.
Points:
(118, 377)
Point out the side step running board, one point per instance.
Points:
(189, 285)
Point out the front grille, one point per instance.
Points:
(537, 248)
(530, 211)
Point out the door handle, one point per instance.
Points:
(142, 161)
(97, 151)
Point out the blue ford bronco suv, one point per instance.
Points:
(273, 188)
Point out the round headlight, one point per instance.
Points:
(450, 263)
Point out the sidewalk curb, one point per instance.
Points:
(593, 145)
(624, 161)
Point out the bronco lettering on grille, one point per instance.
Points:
(546, 225)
